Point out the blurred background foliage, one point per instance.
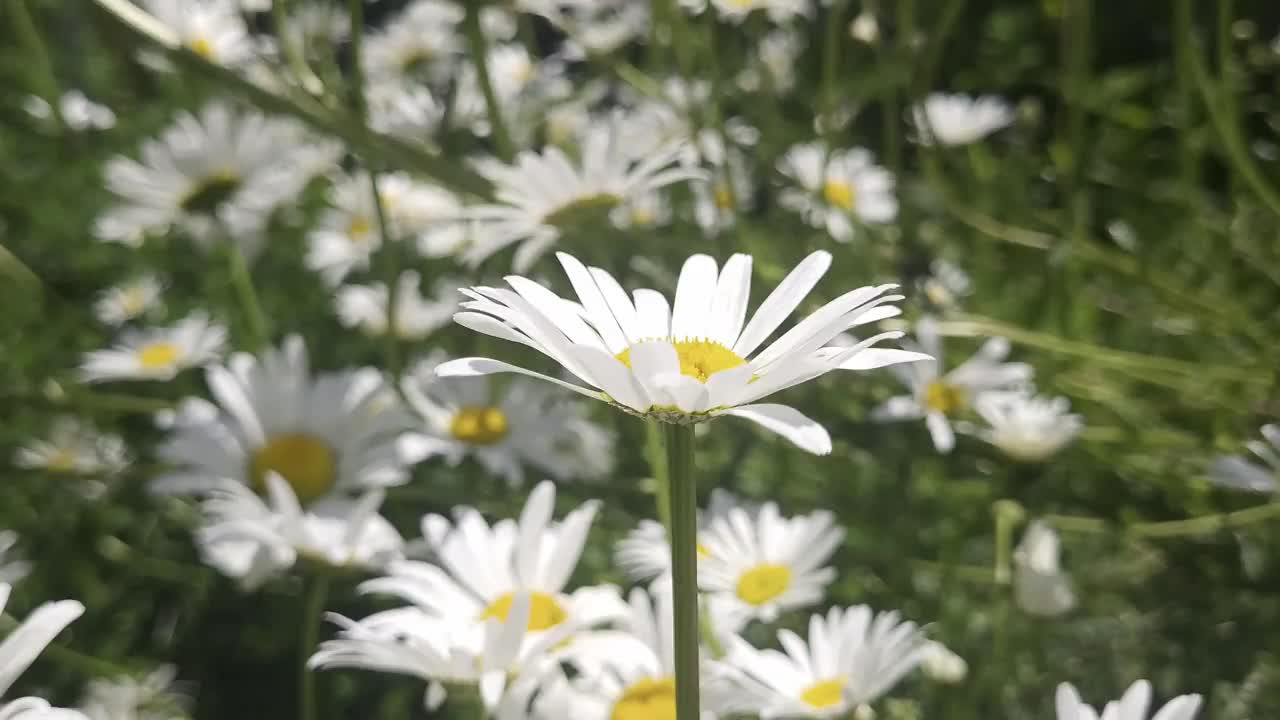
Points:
(1125, 236)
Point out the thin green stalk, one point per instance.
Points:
(656, 452)
(1008, 514)
(242, 281)
(830, 62)
(1203, 525)
(360, 103)
(391, 263)
(29, 35)
(480, 58)
(684, 567)
(312, 613)
(13, 266)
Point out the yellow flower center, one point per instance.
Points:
(838, 193)
(764, 582)
(358, 228)
(824, 693)
(647, 699)
(133, 300)
(642, 216)
(544, 611)
(479, 425)
(302, 459)
(153, 356)
(416, 61)
(703, 550)
(722, 196)
(201, 46)
(61, 460)
(210, 192)
(944, 398)
(699, 359)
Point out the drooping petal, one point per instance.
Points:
(787, 422)
(782, 301)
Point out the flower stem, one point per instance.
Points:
(311, 615)
(1203, 525)
(1008, 514)
(243, 283)
(654, 448)
(684, 566)
(480, 57)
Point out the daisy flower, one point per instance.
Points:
(21, 647)
(940, 663)
(13, 567)
(600, 28)
(642, 212)
(690, 363)
(511, 71)
(504, 428)
(216, 176)
(131, 300)
(325, 434)
(1040, 586)
(252, 541)
(778, 54)
(73, 447)
(1131, 706)
(1241, 473)
(148, 697)
(959, 119)
(546, 193)
(762, 564)
(836, 188)
(1026, 427)
(404, 110)
(852, 657)
(729, 188)
(212, 29)
(421, 43)
(946, 284)
(737, 10)
(937, 397)
(644, 553)
(158, 353)
(365, 307)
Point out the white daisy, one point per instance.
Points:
(853, 657)
(642, 212)
(147, 697)
(511, 69)
(760, 565)
(729, 189)
(599, 28)
(213, 29)
(694, 362)
(836, 188)
(216, 176)
(365, 307)
(403, 109)
(1026, 427)
(778, 54)
(128, 301)
(157, 353)
(737, 10)
(21, 647)
(74, 447)
(13, 567)
(644, 553)
(546, 193)
(959, 119)
(941, 664)
(938, 397)
(1040, 586)
(252, 540)
(326, 434)
(1241, 473)
(421, 43)
(1131, 706)
(76, 111)
(946, 284)
(505, 428)
(865, 28)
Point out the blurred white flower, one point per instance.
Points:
(128, 301)
(157, 353)
(940, 663)
(217, 176)
(865, 28)
(1241, 473)
(365, 307)
(328, 435)
(546, 193)
(959, 119)
(1040, 586)
(644, 553)
(13, 567)
(503, 427)
(404, 110)
(252, 541)
(946, 284)
(688, 364)
(778, 54)
(759, 565)
(1026, 427)
(212, 29)
(148, 697)
(737, 10)
(74, 447)
(836, 188)
(421, 43)
(22, 646)
(1131, 706)
(852, 657)
(78, 112)
(645, 211)
(938, 397)
(729, 189)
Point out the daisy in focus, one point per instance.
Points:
(22, 646)
(837, 188)
(73, 447)
(692, 361)
(147, 697)
(959, 119)
(128, 301)
(759, 565)
(503, 427)
(1026, 427)
(1040, 586)
(252, 541)
(544, 194)
(938, 397)
(852, 657)
(416, 317)
(1242, 473)
(325, 434)
(1131, 706)
(157, 354)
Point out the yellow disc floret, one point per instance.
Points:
(481, 425)
(303, 460)
(839, 193)
(544, 611)
(824, 693)
(699, 359)
(647, 699)
(764, 582)
(944, 398)
(157, 355)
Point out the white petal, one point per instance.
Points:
(694, 292)
(782, 301)
(611, 376)
(787, 422)
(944, 438)
(729, 306)
(878, 358)
(476, 366)
(654, 314)
(598, 311)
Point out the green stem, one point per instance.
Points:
(312, 613)
(684, 567)
(28, 34)
(830, 62)
(360, 103)
(656, 452)
(1008, 514)
(243, 284)
(1202, 525)
(391, 255)
(480, 57)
